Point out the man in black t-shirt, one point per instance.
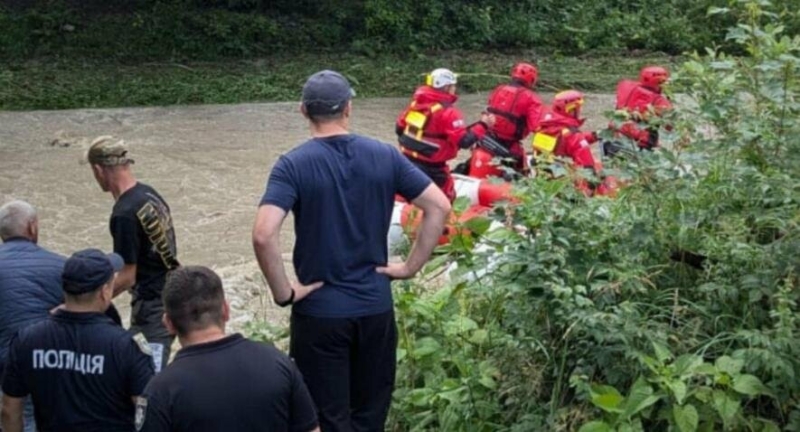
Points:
(141, 226)
(82, 371)
(218, 382)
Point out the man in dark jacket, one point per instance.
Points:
(30, 279)
(82, 371)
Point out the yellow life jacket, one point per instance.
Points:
(413, 140)
(543, 146)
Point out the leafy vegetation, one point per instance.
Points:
(203, 30)
(60, 83)
(672, 307)
(182, 30)
(95, 53)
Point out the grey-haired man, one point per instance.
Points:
(30, 280)
(82, 371)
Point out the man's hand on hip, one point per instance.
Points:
(300, 290)
(397, 271)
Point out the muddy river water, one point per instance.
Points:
(209, 162)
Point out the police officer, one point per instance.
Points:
(82, 371)
(220, 382)
(30, 280)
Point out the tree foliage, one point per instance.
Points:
(672, 307)
(212, 29)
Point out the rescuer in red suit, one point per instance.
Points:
(431, 129)
(563, 122)
(641, 100)
(559, 134)
(517, 110)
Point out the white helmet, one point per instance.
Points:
(440, 78)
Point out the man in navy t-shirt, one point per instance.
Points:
(220, 382)
(82, 370)
(341, 188)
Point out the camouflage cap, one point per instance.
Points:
(108, 151)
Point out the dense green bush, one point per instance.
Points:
(673, 307)
(205, 30)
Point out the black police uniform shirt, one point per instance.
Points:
(141, 226)
(81, 371)
(232, 384)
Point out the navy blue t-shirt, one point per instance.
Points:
(341, 190)
(232, 384)
(81, 371)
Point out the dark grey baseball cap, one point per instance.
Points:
(89, 269)
(326, 92)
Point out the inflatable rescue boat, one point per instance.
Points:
(481, 193)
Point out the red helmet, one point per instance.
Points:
(525, 72)
(653, 76)
(568, 102)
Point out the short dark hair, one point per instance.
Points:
(326, 118)
(193, 298)
(83, 298)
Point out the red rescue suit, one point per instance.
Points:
(640, 102)
(576, 145)
(570, 141)
(431, 130)
(517, 110)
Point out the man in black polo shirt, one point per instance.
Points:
(82, 371)
(141, 226)
(217, 382)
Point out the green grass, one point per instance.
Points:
(61, 83)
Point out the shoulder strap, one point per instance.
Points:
(517, 120)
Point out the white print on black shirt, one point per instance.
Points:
(69, 360)
(156, 223)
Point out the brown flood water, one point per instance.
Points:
(209, 162)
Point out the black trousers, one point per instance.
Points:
(348, 365)
(146, 318)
